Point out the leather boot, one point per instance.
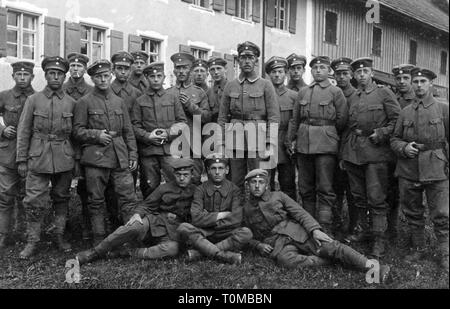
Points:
(205, 247)
(229, 257)
(98, 228)
(33, 237)
(443, 251)
(378, 247)
(361, 232)
(4, 228)
(194, 255)
(2, 243)
(418, 245)
(87, 256)
(225, 245)
(60, 223)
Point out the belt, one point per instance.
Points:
(50, 137)
(360, 132)
(248, 117)
(431, 146)
(319, 122)
(114, 134)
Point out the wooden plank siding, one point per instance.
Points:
(354, 38)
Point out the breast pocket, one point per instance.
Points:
(408, 130)
(327, 110)
(304, 109)
(97, 119)
(257, 101)
(11, 115)
(235, 102)
(119, 121)
(376, 113)
(168, 110)
(437, 130)
(40, 120)
(67, 122)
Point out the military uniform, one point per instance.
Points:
(373, 110)
(11, 105)
(215, 93)
(44, 144)
(425, 122)
(294, 60)
(77, 89)
(320, 114)
(98, 111)
(203, 64)
(139, 81)
(156, 110)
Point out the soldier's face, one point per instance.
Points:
(183, 178)
(77, 70)
(296, 72)
(343, 78)
(217, 172)
(182, 72)
(102, 80)
(138, 66)
(55, 78)
(403, 82)
(156, 80)
(199, 74)
(247, 63)
(257, 186)
(23, 79)
(122, 72)
(421, 85)
(217, 72)
(364, 76)
(320, 72)
(278, 76)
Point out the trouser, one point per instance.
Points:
(135, 235)
(342, 189)
(36, 200)
(315, 183)
(368, 183)
(286, 179)
(411, 198)
(393, 200)
(151, 169)
(241, 167)
(10, 183)
(97, 180)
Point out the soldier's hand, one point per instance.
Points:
(184, 99)
(264, 249)
(223, 215)
(10, 132)
(374, 138)
(132, 164)
(411, 150)
(320, 237)
(171, 216)
(105, 138)
(342, 165)
(22, 169)
(135, 218)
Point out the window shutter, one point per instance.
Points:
(230, 7)
(116, 41)
(293, 16)
(72, 35)
(134, 43)
(270, 22)
(218, 5)
(188, 1)
(216, 54)
(52, 36)
(3, 23)
(185, 49)
(256, 11)
(230, 66)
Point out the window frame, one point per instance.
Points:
(197, 4)
(90, 42)
(199, 49)
(146, 43)
(377, 52)
(325, 27)
(277, 19)
(248, 10)
(20, 30)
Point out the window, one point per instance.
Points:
(443, 69)
(331, 27)
(93, 42)
(243, 9)
(153, 48)
(376, 41)
(413, 52)
(200, 53)
(281, 14)
(203, 3)
(22, 35)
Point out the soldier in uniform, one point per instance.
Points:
(366, 152)
(296, 64)
(285, 232)
(200, 74)
(320, 115)
(420, 141)
(218, 71)
(103, 129)
(155, 221)
(343, 74)
(45, 154)
(194, 101)
(405, 92)
(247, 100)
(11, 105)
(137, 78)
(216, 213)
(157, 119)
(276, 68)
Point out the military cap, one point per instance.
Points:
(276, 62)
(215, 158)
(122, 58)
(23, 66)
(295, 59)
(154, 67)
(180, 164)
(140, 55)
(55, 62)
(249, 48)
(257, 173)
(341, 64)
(200, 63)
(402, 69)
(217, 61)
(320, 60)
(77, 57)
(359, 63)
(99, 66)
(423, 72)
(182, 59)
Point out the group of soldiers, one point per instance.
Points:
(374, 149)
